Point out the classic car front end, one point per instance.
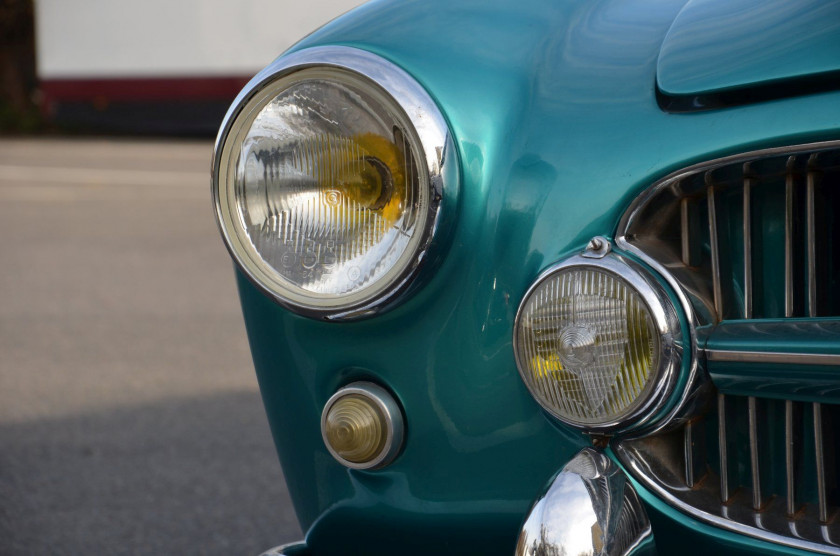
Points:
(547, 278)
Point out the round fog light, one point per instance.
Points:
(595, 343)
(362, 426)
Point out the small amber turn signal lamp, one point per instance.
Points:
(362, 426)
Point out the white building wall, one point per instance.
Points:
(171, 38)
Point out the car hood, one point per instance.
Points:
(716, 46)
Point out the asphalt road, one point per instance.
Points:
(130, 420)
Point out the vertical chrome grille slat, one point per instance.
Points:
(685, 232)
(755, 470)
(812, 238)
(748, 285)
(724, 461)
(688, 448)
(789, 185)
(820, 455)
(694, 453)
(713, 242)
(790, 476)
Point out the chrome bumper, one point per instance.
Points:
(292, 549)
(589, 507)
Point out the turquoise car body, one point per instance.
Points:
(559, 123)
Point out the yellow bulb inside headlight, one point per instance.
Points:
(361, 182)
(378, 180)
(587, 346)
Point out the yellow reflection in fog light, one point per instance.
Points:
(362, 426)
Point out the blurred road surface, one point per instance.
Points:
(130, 421)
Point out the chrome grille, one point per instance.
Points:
(725, 465)
(751, 235)
(751, 239)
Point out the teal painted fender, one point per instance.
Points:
(554, 112)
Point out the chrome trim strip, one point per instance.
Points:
(748, 285)
(789, 459)
(722, 449)
(789, 237)
(713, 241)
(716, 520)
(435, 140)
(820, 458)
(390, 410)
(665, 319)
(755, 471)
(733, 356)
(811, 241)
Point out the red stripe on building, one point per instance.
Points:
(141, 89)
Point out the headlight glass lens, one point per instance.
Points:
(322, 190)
(587, 346)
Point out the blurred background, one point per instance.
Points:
(130, 418)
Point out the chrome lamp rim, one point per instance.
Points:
(433, 139)
(666, 322)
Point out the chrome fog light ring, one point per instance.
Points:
(373, 276)
(665, 334)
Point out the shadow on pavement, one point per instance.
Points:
(186, 476)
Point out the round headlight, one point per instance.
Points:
(595, 343)
(326, 190)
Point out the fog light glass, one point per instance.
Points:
(587, 346)
(362, 426)
(355, 429)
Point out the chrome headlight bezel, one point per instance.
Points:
(431, 138)
(663, 313)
